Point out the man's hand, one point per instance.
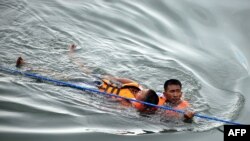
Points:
(72, 48)
(188, 115)
(19, 62)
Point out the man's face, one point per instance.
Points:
(173, 93)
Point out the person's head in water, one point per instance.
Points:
(149, 96)
(19, 62)
(172, 91)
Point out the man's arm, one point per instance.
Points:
(121, 80)
(21, 63)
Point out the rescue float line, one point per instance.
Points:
(68, 84)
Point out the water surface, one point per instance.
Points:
(204, 44)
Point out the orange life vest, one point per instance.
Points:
(181, 106)
(162, 101)
(118, 89)
(123, 90)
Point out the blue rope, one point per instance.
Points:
(63, 83)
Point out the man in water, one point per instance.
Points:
(122, 87)
(172, 97)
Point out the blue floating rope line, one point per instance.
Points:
(63, 83)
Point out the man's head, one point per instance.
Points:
(172, 90)
(149, 96)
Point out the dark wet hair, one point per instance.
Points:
(151, 97)
(172, 82)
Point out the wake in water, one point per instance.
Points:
(152, 42)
